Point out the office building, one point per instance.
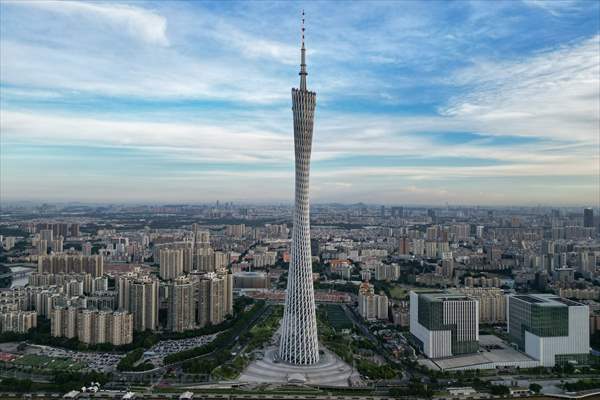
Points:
(444, 324)
(551, 329)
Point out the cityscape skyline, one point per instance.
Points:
(149, 247)
(470, 112)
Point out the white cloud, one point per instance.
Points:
(550, 95)
(160, 74)
(555, 7)
(139, 23)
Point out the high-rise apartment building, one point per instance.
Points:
(17, 321)
(201, 237)
(41, 247)
(171, 263)
(181, 315)
(403, 245)
(47, 235)
(372, 306)
(299, 342)
(138, 294)
(588, 218)
(205, 259)
(492, 303)
(551, 329)
(444, 324)
(215, 297)
(120, 328)
(221, 260)
(75, 230)
(63, 322)
(60, 229)
(92, 326)
(57, 244)
(236, 231)
(387, 272)
(86, 249)
(70, 263)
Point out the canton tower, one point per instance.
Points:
(299, 341)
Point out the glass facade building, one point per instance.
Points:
(444, 324)
(549, 328)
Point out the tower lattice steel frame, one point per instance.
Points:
(299, 341)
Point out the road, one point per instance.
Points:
(357, 320)
(231, 340)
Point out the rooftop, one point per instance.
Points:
(547, 299)
(493, 351)
(444, 296)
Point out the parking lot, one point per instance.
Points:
(96, 361)
(163, 348)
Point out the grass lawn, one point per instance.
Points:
(43, 362)
(337, 317)
(398, 292)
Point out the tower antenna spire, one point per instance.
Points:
(303, 72)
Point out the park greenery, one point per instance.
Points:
(582, 384)
(535, 388)
(60, 382)
(223, 339)
(227, 364)
(128, 363)
(333, 329)
(41, 334)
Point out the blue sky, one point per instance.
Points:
(489, 103)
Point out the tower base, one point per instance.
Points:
(329, 371)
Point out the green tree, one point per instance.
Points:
(535, 388)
